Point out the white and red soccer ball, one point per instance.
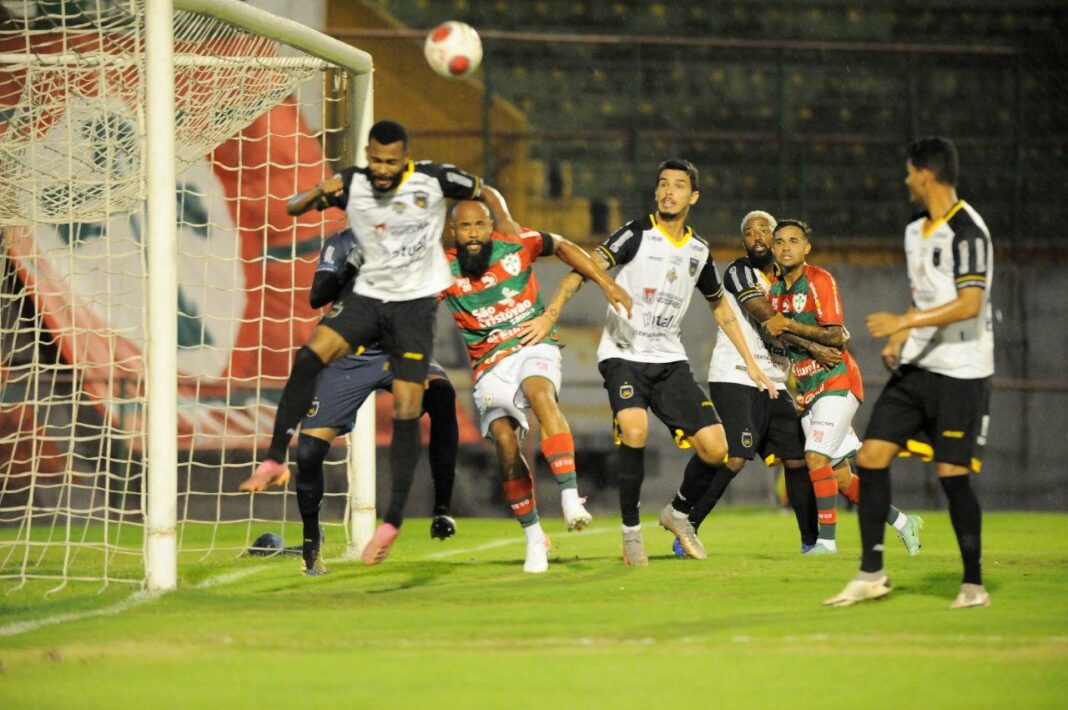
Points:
(453, 49)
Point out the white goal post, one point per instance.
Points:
(106, 106)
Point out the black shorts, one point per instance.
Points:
(756, 423)
(404, 329)
(953, 413)
(667, 388)
(345, 385)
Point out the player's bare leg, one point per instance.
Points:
(558, 447)
(518, 486)
(323, 347)
(404, 452)
(312, 447)
(710, 447)
(633, 428)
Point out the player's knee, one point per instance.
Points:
(633, 435)
(874, 455)
(814, 460)
(311, 454)
(327, 344)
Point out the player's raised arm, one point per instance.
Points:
(325, 194)
(506, 224)
(576, 257)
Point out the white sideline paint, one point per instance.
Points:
(135, 599)
(219, 580)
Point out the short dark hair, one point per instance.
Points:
(938, 155)
(685, 166)
(799, 223)
(388, 132)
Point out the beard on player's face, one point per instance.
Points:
(759, 259)
(379, 184)
(473, 261)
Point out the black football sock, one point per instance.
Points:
(439, 402)
(630, 467)
(871, 511)
(967, 521)
(716, 488)
(311, 482)
(696, 479)
(403, 455)
(296, 399)
(803, 500)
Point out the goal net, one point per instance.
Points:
(263, 108)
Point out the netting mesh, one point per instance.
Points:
(256, 121)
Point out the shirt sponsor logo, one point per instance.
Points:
(649, 295)
(489, 316)
(672, 275)
(668, 299)
(652, 320)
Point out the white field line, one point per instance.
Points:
(515, 540)
(135, 599)
(219, 580)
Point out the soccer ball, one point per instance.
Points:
(453, 49)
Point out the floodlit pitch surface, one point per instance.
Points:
(458, 624)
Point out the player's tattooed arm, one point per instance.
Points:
(532, 333)
(724, 315)
(316, 197)
(588, 267)
(830, 335)
(506, 224)
(761, 309)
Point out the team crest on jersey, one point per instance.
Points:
(422, 199)
(626, 391)
(747, 439)
(672, 275)
(936, 257)
(512, 264)
(649, 295)
(314, 408)
(380, 228)
(800, 301)
(693, 266)
(335, 310)
(399, 206)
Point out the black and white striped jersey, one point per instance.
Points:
(399, 232)
(954, 252)
(742, 282)
(660, 274)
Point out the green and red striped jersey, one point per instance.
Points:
(489, 308)
(814, 300)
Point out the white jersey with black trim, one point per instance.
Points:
(953, 253)
(660, 275)
(741, 282)
(399, 232)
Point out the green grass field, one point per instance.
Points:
(458, 624)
